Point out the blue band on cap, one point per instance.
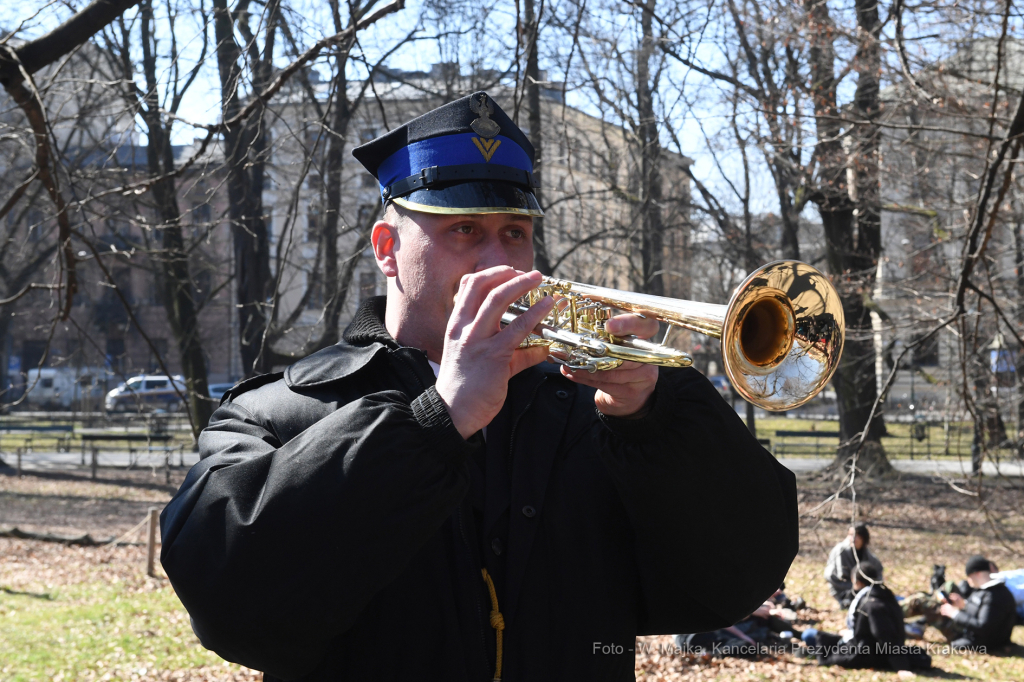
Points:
(449, 150)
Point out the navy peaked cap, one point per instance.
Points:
(464, 157)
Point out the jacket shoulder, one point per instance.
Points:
(332, 363)
(249, 384)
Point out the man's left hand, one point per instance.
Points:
(626, 390)
(948, 610)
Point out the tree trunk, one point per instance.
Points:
(652, 231)
(336, 283)
(852, 244)
(6, 351)
(243, 155)
(174, 281)
(790, 239)
(540, 249)
(1018, 258)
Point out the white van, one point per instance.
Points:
(55, 388)
(146, 393)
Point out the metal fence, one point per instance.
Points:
(906, 440)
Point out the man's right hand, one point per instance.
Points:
(479, 356)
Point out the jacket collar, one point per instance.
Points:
(367, 325)
(364, 338)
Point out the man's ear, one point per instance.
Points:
(384, 240)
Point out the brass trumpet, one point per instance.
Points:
(781, 332)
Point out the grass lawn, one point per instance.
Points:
(75, 613)
(90, 613)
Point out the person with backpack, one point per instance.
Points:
(874, 637)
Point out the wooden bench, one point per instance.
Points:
(147, 438)
(60, 432)
(800, 448)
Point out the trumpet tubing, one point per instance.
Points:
(781, 332)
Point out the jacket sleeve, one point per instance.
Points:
(886, 633)
(714, 515)
(980, 618)
(275, 548)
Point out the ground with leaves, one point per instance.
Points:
(90, 613)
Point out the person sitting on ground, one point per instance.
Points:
(986, 618)
(1014, 581)
(874, 637)
(765, 629)
(782, 601)
(842, 560)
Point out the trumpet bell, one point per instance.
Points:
(782, 331)
(782, 335)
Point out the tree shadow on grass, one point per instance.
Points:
(19, 593)
(940, 674)
(117, 479)
(1009, 651)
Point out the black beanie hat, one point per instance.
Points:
(977, 563)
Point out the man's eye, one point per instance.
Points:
(517, 234)
(464, 229)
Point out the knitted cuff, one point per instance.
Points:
(432, 415)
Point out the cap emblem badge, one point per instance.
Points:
(483, 126)
(486, 147)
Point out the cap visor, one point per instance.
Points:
(467, 198)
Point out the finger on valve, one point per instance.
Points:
(474, 287)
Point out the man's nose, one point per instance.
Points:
(492, 253)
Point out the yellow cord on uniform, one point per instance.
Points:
(497, 622)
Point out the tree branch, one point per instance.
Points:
(46, 49)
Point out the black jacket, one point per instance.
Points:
(988, 617)
(337, 522)
(879, 638)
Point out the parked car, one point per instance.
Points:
(56, 388)
(146, 393)
(217, 391)
(721, 382)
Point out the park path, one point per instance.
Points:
(56, 461)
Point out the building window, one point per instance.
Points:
(313, 218)
(161, 350)
(34, 221)
(316, 291)
(123, 280)
(152, 292)
(202, 214)
(116, 354)
(313, 138)
(203, 285)
(119, 226)
(367, 285)
(202, 220)
(32, 354)
(927, 354)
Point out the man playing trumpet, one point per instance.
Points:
(428, 500)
